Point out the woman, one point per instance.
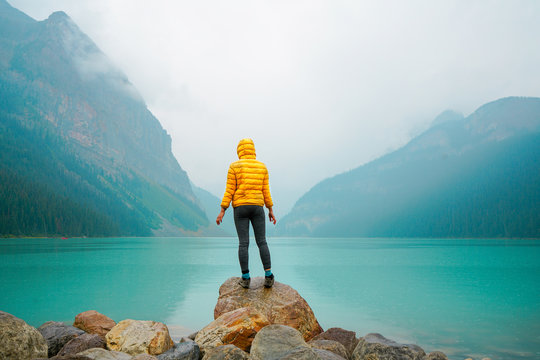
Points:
(247, 187)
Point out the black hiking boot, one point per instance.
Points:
(244, 282)
(269, 281)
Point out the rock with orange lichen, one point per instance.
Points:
(237, 327)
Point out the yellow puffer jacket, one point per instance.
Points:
(247, 179)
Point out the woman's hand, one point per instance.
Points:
(220, 216)
(271, 216)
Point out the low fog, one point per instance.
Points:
(320, 86)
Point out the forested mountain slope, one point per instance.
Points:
(477, 176)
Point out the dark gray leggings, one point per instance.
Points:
(242, 216)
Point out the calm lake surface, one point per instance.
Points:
(467, 298)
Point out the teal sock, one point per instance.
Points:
(267, 272)
(245, 276)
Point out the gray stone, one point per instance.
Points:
(102, 354)
(185, 350)
(275, 342)
(58, 334)
(81, 343)
(327, 355)
(144, 357)
(436, 355)
(330, 345)
(280, 342)
(18, 340)
(301, 353)
(376, 346)
(345, 337)
(226, 352)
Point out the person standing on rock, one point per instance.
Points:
(248, 189)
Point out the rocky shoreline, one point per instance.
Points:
(255, 323)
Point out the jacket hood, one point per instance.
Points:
(246, 149)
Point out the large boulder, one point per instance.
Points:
(376, 346)
(330, 345)
(276, 341)
(139, 337)
(345, 337)
(225, 352)
(18, 340)
(94, 323)
(102, 354)
(57, 334)
(185, 350)
(281, 304)
(237, 327)
(81, 343)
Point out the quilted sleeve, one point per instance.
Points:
(266, 191)
(229, 189)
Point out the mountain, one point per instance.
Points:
(211, 205)
(477, 176)
(80, 153)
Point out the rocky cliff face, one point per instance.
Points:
(92, 104)
(56, 83)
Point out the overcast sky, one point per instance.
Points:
(320, 86)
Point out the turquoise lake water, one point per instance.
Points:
(467, 298)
